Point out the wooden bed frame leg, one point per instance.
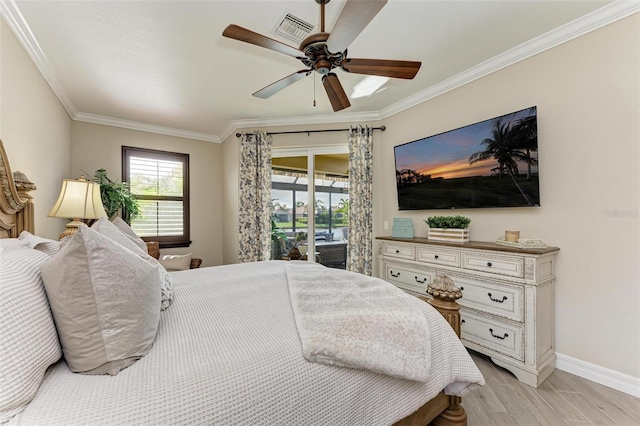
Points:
(445, 294)
(452, 416)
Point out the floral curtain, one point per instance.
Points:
(360, 247)
(255, 197)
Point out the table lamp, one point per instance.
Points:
(79, 199)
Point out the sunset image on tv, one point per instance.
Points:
(493, 163)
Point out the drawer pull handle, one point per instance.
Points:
(489, 264)
(421, 282)
(435, 257)
(498, 337)
(497, 300)
(397, 251)
(394, 276)
(461, 288)
(462, 321)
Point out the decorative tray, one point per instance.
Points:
(522, 243)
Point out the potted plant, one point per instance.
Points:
(278, 237)
(117, 196)
(294, 253)
(448, 228)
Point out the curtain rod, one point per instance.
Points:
(308, 132)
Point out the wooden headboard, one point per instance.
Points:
(16, 205)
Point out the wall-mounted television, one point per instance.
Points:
(493, 163)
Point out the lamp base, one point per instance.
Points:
(71, 228)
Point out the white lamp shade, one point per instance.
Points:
(79, 199)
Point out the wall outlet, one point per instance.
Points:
(386, 224)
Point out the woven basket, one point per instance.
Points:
(153, 247)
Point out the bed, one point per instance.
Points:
(227, 351)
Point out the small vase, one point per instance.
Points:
(294, 254)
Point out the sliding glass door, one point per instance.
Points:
(311, 214)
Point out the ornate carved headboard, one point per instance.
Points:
(16, 205)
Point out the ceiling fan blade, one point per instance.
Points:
(274, 88)
(383, 67)
(337, 97)
(248, 36)
(355, 16)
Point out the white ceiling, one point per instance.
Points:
(164, 66)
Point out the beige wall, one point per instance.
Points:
(587, 93)
(231, 162)
(35, 129)
(95, 146)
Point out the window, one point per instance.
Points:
(160, 181)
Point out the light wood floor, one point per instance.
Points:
(563, 399)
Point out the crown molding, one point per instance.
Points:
(574, 29)
(145, 127)
(12, 15)
(597, 19)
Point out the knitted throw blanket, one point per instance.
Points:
(353, 320)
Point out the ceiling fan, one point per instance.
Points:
(322, 52)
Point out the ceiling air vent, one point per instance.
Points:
(293, 27)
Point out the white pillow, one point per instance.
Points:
(126, 230)
(105, 302)
(175, 262)
(12, 242)
(29, 340)
(108, 229)
(45, 245)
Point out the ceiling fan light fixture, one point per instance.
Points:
(322, 66)
(368, 86)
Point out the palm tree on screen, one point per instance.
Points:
(501, 148)
(525, 139)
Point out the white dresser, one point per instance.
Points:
(507, 304)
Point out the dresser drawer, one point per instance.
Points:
(512, 266)
(399, 251)
(493, 298)
(493, 334)
(408, 278)
(438, 256)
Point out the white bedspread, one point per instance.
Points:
(228, 353)
(353, 320)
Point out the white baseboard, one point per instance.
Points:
(610, 378)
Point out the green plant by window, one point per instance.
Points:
(116, 196)
(445, 222)
(300, 237)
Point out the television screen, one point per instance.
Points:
(493, 163)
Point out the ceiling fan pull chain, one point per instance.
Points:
(314, 89)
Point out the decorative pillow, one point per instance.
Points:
(126, 230)
(45, 245)
(166, 283)
(175, 262)
(12, 242)
(104, 301)
(29, 339)
(108, 229)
